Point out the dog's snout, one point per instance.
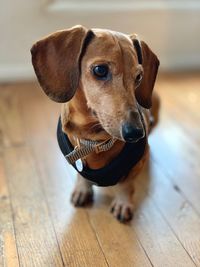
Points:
(133, 115)
(130, 133)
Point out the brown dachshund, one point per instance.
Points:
(105, 81)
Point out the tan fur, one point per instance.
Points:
(99, 108)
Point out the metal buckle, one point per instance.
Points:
(98, 148)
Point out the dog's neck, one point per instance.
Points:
(79, 121)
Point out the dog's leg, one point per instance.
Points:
(122, 205)
(83, 192)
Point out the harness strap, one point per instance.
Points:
(85, 147)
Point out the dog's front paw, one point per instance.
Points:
(122, 210)
(81, 196)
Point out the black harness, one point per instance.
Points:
(114, 171)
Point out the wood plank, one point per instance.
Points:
(175, 144)
(179, 214)
(148, 226)
(178, 159)
(11, 126)
(8, 249)
(157, 238)
(186, 113)
(36, 240)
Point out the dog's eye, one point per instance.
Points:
(138, 79)
(101, 71)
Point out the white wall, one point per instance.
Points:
(171, 28)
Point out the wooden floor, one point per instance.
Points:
(38, 225)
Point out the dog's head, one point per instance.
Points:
(116, 72)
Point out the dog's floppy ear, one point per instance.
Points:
(56, 61)
(150, 64)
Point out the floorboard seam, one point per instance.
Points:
(168, 223)
(12, 210)
(97, 238)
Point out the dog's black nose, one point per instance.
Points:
(131, 133)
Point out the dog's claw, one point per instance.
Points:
(119, 217)
(122, 211)
(111, 209)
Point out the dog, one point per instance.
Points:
(105, 80)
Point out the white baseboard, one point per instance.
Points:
(58, 6)
(16, 72)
